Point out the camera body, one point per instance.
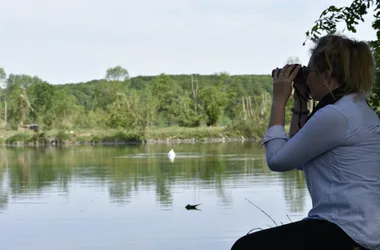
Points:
(301, 75)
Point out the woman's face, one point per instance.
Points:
(318, 82)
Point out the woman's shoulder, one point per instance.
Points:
(356, 109)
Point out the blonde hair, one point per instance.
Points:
(350, 62)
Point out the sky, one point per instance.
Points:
(69, 41)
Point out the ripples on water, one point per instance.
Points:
(133, 197)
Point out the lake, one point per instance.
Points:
(134, 197)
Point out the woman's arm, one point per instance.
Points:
(325, 129)
(277, 114)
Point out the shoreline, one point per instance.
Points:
(109, 138)
(116, 143)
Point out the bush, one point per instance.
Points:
(122, 137)
(38, 138)
(63, 137)
(250, 128)
(18, 138)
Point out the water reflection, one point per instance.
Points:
(4, 188)
(129, 171)
(78, 192)
(295, 191)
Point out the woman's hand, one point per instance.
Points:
(282, 89)
(282, 82)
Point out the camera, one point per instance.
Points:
(301, 75)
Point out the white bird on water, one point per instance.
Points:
(171, 155)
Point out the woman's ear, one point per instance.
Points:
(327, 74)
(327, 79)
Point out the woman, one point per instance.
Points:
(338, 148)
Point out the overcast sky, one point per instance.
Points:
(64, 41)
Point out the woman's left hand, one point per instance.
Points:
(282, 82)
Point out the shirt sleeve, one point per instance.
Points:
(324, 130)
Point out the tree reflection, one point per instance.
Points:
(4, 180)
(120, 192)
(126, 171)
(34, 170)
(294, 190)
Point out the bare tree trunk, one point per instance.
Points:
(257, 108)
(185, 107)
(22, 112)
(93, 104)
(250, 106)
(5, 113)
(195, 93)
(244, 110)
(264, 104)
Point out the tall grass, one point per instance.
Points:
(270, 217)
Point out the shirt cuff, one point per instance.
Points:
(274, 132)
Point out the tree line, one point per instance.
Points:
(134, 103)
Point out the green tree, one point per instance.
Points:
(214, 101)
(128, 112)
(29, 99)
(166, 92)
(117, 73)
(41, 99)
(185, 112)
(351, 15)
(17, 99)
(64, 112)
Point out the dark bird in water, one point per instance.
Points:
(192, 207)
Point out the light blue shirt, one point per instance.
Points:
(339, 151)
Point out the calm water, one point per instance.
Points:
(134, 197)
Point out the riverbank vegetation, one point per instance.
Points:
(120, 108)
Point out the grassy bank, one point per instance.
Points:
(25, 137)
